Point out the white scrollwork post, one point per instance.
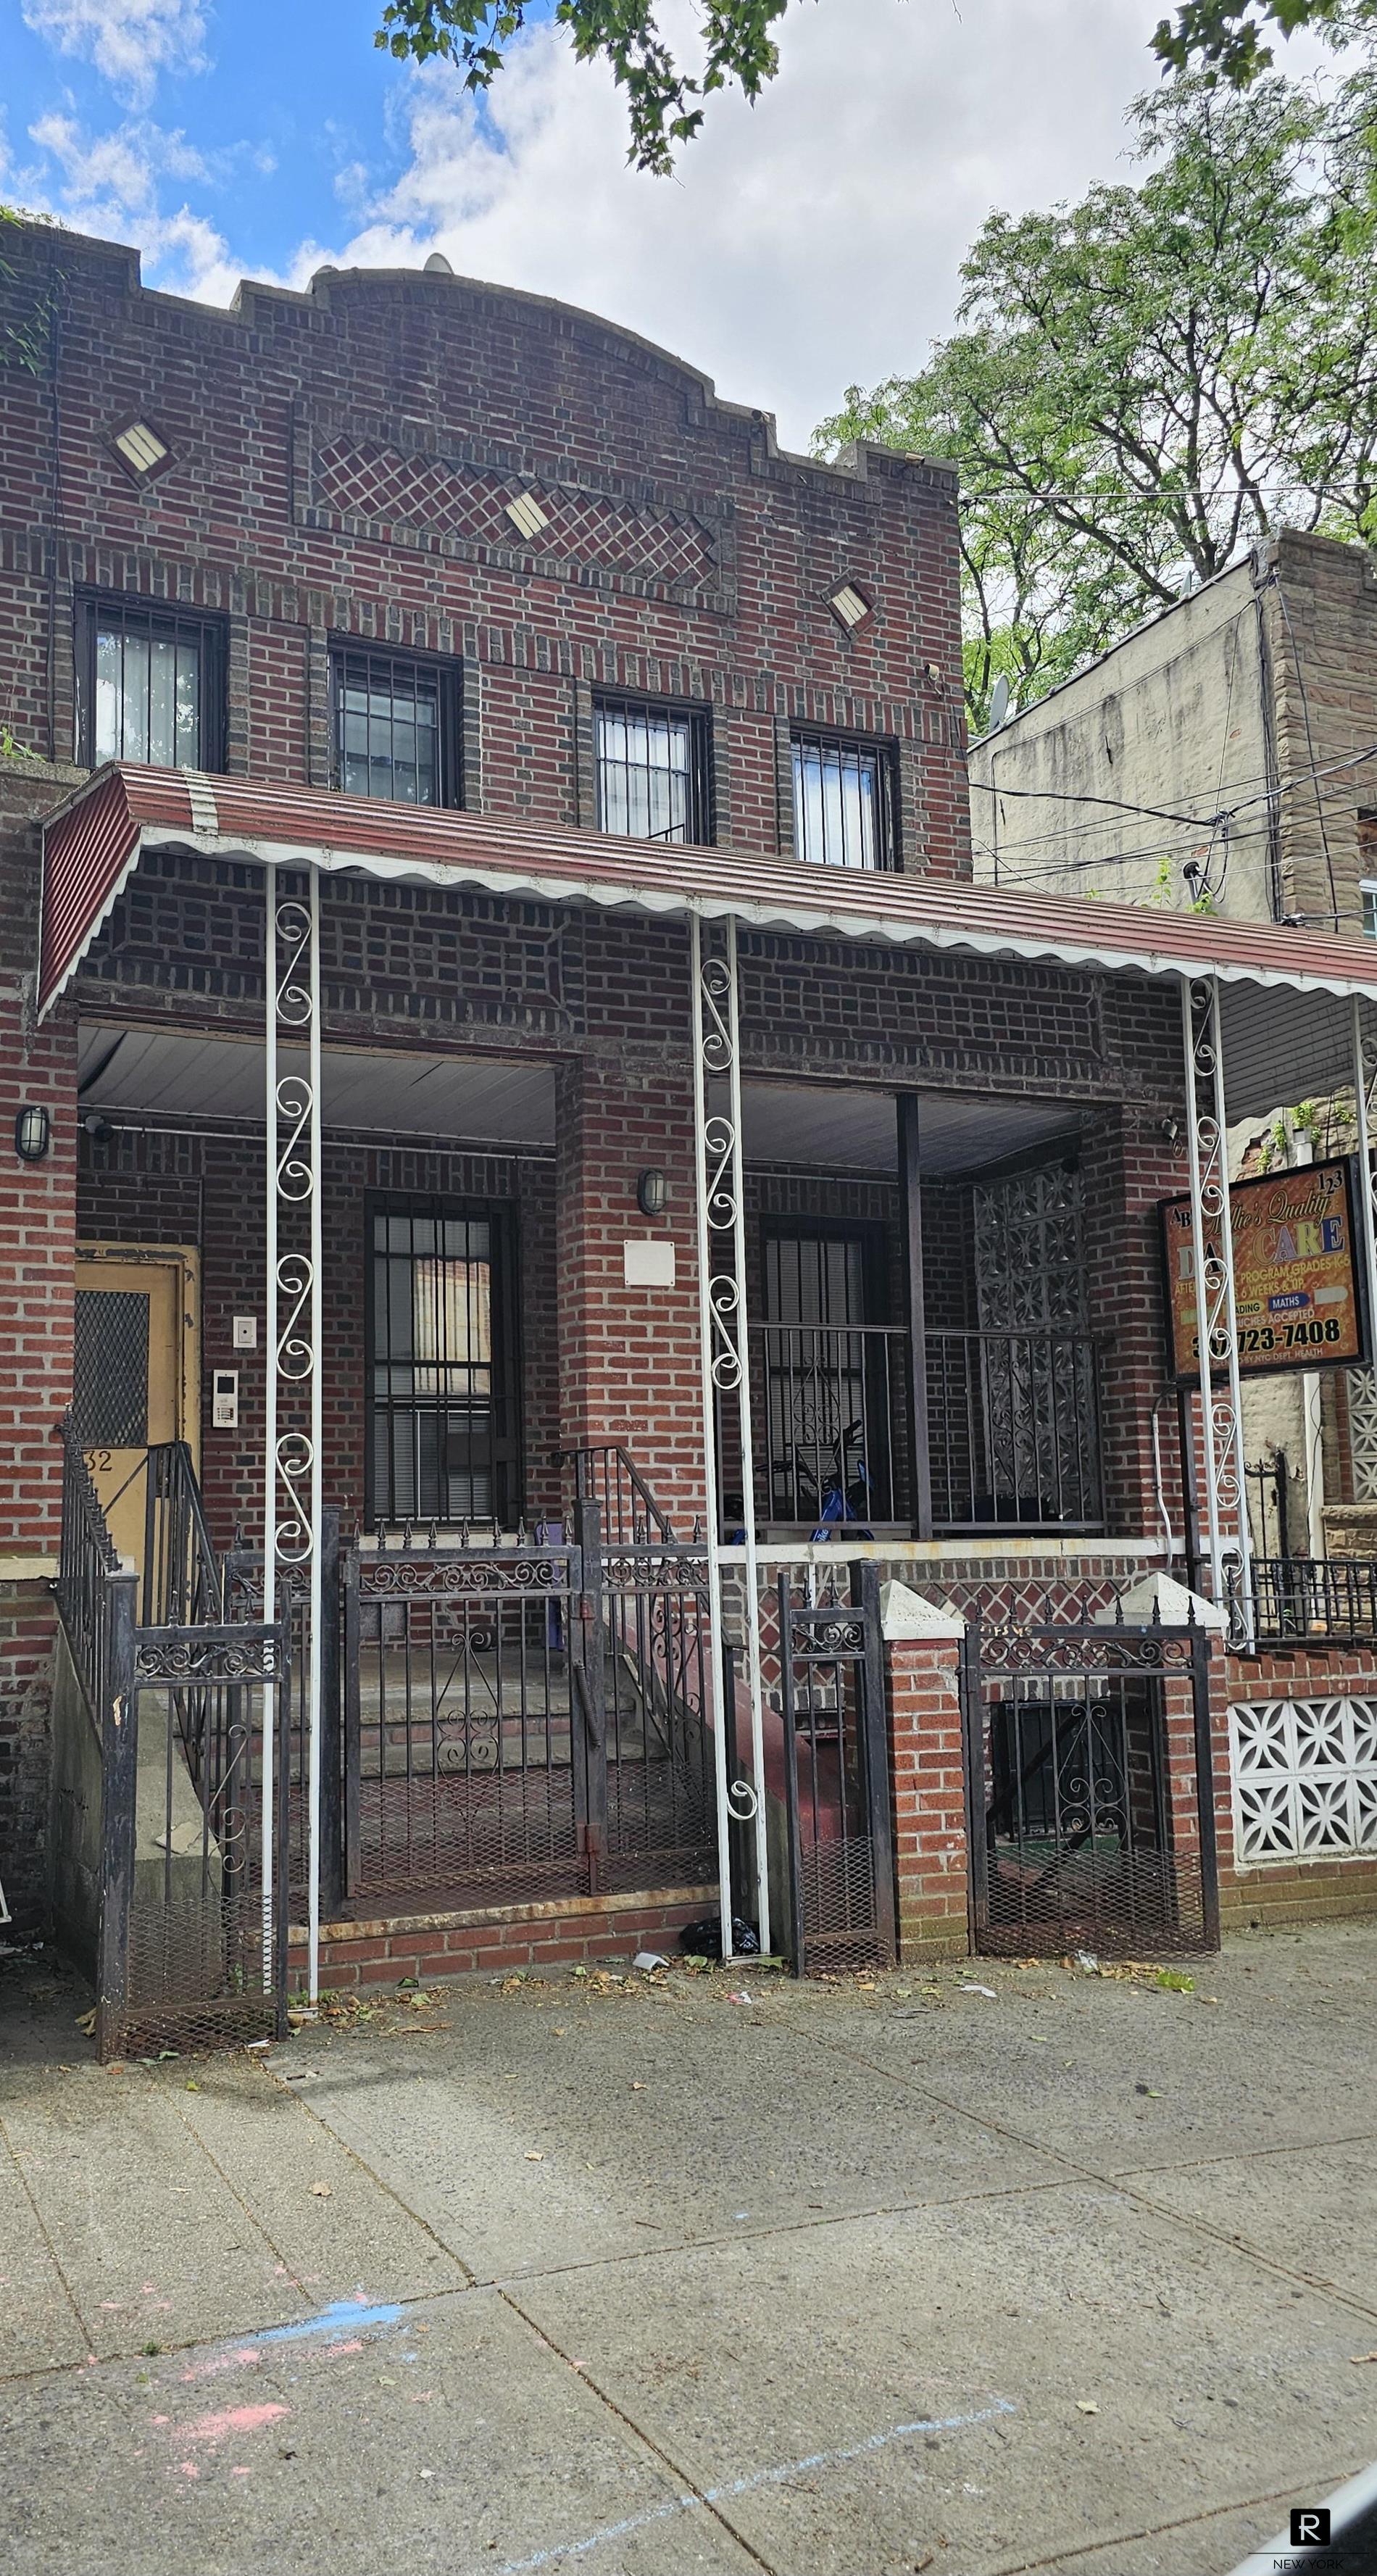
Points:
(1221, 1405)
(726, 1377)
(293, 1450)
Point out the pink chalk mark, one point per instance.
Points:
(355, 2344)
(221, 2362)
(188, 2468)
(227, 2420)
(162, 2419)
(241, 2473)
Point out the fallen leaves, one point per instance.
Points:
(1086, 2406)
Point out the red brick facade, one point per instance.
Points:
(340, 466)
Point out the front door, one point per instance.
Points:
(136, 1369)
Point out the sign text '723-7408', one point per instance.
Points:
(1297, 1279)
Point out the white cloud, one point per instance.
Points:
(112, 185)
(802, 245)
(129, 41)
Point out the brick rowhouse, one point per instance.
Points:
(339, 471)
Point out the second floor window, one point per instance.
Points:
(842, 800)
(395, 729)
(149, 686)
(652, 771)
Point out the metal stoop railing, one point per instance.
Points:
(158, 1716)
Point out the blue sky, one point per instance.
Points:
(806, 244)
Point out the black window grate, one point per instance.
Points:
(440, 1364)
(395, 729)
(652, 770)
(150, 686)
(110, 1368)
(843, 802)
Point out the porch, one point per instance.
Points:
(875, 1316)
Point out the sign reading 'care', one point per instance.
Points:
(1296, 1275)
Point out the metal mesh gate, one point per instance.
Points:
(841, 1865)
(1090, 1788)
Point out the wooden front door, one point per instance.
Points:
(136, 1375)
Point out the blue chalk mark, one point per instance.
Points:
(749, 2485)
(344, 2317)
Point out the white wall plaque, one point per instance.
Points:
(648, 1262)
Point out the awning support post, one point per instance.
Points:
(1221, 1407)
(725, 1375)
(1364, 1089)
(293, 1459)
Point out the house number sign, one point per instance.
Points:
(1297, 1280)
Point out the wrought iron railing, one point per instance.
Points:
(161, 1774)
(627, 1510)
(1333, 1598)
(1013, 1430)
(828, 1401)
(1013, 1427)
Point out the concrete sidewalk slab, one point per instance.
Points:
(451, 2439)
(39, 2328)
(1207, 2375)
(1313, 2209)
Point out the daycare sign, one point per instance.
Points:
(1296, 1276)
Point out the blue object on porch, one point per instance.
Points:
(837, 1506)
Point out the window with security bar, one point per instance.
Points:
(441, 1343)
(396, 728)
(150, 686)
(843, 802)
(652, 771)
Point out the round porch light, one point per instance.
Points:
(652, 1190)
(33, 1130)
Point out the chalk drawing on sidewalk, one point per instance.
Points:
(750, 2485)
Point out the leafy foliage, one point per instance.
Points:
(1147, 380)
(663, 97)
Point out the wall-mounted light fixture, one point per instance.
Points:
(1171, 1130)
(33, 1132)
(651, 1192)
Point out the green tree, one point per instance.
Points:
(665, 98)
(1145, 381)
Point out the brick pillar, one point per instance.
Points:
(1129, 1165)
(628, 1351)
(922, 1652)
(37, 1248)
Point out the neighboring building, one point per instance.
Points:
(1225, 753)
(459, 762)
(1249, 709)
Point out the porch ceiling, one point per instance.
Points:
(172, 1073)
(836, 1130)
(93, 843)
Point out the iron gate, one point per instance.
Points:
(526, 1721)
(836, 1776)
(1089, 1783)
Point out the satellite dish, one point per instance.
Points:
(437, 265)
(999, 703)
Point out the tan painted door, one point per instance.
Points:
(137, 1372)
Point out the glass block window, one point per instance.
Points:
(652, 771)
(395, 729)
(440, 1336)
(110, 1373)
(1362, 1433)
(149, 686)
(842, 803)
(1304, 1778)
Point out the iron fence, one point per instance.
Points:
(831, 1405)
(163, 1775)
(1331, 1599)
(836, 1777)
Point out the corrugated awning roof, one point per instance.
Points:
(94, 841)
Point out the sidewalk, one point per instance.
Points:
(843, 2281)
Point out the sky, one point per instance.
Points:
(802, 246)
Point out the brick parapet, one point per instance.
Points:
(928, 1797)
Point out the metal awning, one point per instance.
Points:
(1301, 1040)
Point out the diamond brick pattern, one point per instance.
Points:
(430, 493)
(1304, 1778)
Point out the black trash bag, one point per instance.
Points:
(704, 1940)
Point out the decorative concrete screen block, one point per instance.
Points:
(647, 1263)
(1304, 1777)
